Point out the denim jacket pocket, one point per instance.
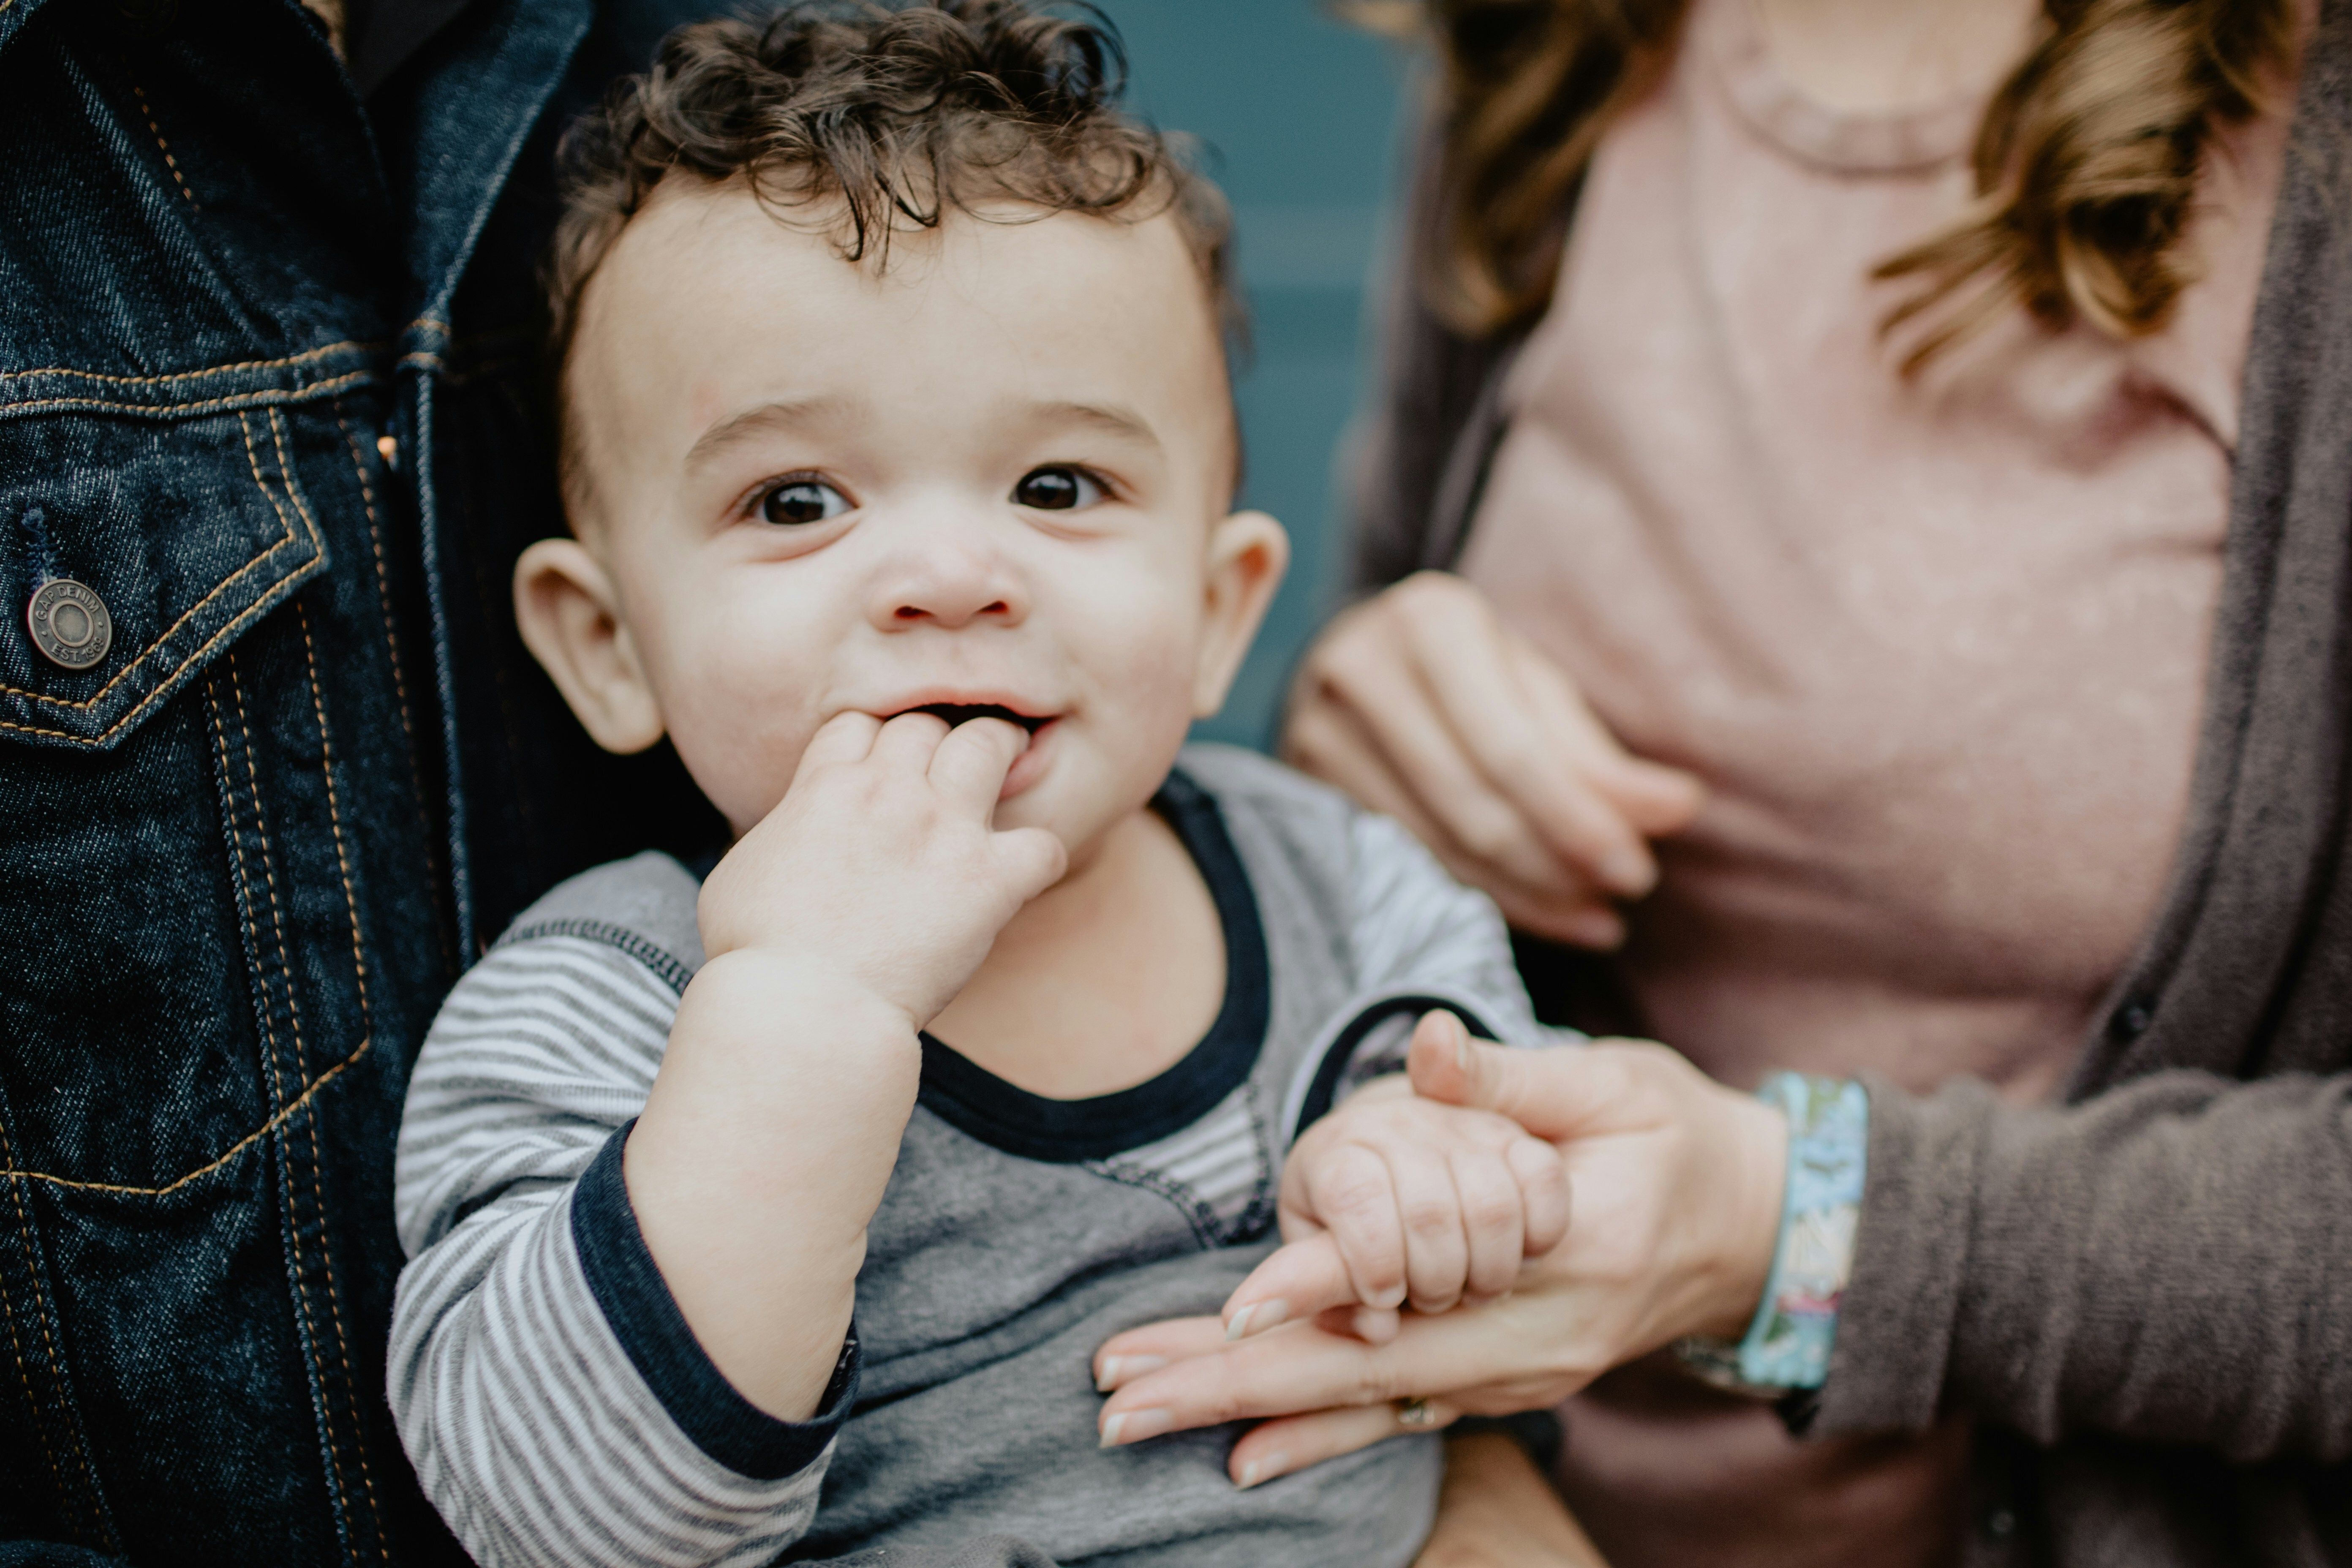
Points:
(171, 499)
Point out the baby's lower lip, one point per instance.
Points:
(1030, 765)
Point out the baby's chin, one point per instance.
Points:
(1082, 811)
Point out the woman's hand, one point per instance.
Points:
(1422, 704)
(1676, 1185)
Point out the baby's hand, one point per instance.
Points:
(1394, 1199)
(879, 866)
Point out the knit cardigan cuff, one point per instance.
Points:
(1896, 1321)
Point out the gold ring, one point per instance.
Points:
(1415, 1413)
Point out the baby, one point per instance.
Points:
(899, 448)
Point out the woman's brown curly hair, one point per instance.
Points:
(2086, 163)
(867, 120)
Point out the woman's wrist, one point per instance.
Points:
(1756, 1141)
(1784, 1342)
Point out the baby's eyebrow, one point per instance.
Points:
(769, 418)
(1109, 417)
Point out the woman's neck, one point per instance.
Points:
(1888, 56)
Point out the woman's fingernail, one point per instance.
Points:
(1119, 1369)
(1134, 1426)
(1263, 1469)
(1598, 928)
(1256, 1318)
(1627, 869)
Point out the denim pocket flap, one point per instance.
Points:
(134, 551)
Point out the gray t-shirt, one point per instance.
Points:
(560, 1412)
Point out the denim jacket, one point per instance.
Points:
(266, 395)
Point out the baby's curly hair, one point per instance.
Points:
(866, 119)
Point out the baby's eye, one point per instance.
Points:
(1057, 490)
(802, 500)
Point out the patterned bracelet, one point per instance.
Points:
(1788, 1344)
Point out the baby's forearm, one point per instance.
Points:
(762, 1154)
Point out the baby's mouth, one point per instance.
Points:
(963, 712)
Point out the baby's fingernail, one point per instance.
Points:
(1134, 1426)
(1263, 1469)
(1256, 1318)
(1119, 1369)
(1462, 1050)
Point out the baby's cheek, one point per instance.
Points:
(742, 741)
(1155, 661)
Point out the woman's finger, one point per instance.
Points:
(1655, 798)
(1123, 1358)
(1555, 1091)
(1459, 657)
(1291, 1444)
(1400, 705)
(1568, 908)
(1589, 922)
(1300, 1367)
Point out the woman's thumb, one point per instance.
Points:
(1541, 1089)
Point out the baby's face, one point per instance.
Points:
(992, 476)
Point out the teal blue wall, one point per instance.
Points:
(1299, 113)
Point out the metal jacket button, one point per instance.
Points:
(69, 624)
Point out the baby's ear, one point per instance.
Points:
(1247, 555)
(571, 621)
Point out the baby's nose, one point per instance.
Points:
(948, 590)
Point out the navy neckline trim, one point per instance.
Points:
(976, 1102)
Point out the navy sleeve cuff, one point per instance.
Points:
(636, 1302)
(1323, 1090)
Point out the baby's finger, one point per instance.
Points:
(846, 737)
(1352, 1191)
(908, 742)
(1373, 1325)
(1296, 1281)
(1125, 1357)
(970, 765)
(1544, 1194)
(1031, 859)
(1436, 1253)
(1494, 1222)
(1286, 1445)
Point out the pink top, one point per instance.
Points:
(1938, 647)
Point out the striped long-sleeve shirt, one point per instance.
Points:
(560, 1412)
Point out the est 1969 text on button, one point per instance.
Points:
(70, 623)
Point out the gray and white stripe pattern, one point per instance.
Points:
(526, 1422)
